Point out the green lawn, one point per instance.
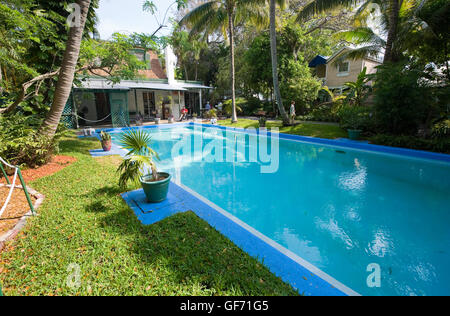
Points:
(304, 129)
(85, 222)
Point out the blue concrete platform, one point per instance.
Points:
(281, 264)
(115, 150)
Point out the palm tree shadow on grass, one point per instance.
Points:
(196, 252)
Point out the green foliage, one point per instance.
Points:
(441, 145)
(262, 122)
(298, 84)
(240, 103)
(113, 57)
(296, 47)
(358, 90)
(211, 114)
(427, 39)
(405, 100)
(33, 35)
(189, 51)
(257, 59)
(441, 130)
(354, 117)
(105, 137)
(139, 158)
(322, 113)
(21, 145)
(143, 40)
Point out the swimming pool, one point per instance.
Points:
(342, 210)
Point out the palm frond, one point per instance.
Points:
(139, 157)
(209, 22)
(319, 6)
(361, 35)
(257, 15)
(136, 142)
(196, 15)
(364, 52)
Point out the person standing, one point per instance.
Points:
(208, 106)
(293, 114)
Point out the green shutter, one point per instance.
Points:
(148, 60)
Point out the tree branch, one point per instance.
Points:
(23, 96)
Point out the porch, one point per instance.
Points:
(97, 103)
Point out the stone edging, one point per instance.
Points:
(21, 224)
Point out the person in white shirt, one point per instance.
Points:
(292, 112)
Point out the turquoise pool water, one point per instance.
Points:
(339, 209)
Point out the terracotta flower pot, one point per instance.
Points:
(107, 145)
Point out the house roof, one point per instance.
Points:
(103, 84)
(321, 60)
(318, 60)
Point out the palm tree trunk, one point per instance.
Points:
(234, 118)
(67, 73)
(196, 71)
(273, 49)
(394, 8)
(186, 72)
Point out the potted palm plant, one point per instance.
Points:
(137, 164)
(353, 118)
(106, 141)
(262, 122)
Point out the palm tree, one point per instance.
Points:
(67, 73)
(217, 15)
(390, 11)
(394, 9)
(274, 53)
(139, 158)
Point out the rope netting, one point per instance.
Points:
(12, 185)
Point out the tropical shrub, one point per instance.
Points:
(21, 145)
(403, 98)
(441, 130)
(358, 91)
(441, 145)
(211, 114)
(354, 117)
(323, 113)
(228, 107)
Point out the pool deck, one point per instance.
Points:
(303, 276)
